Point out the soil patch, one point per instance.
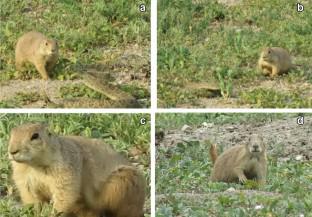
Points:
(284, 138)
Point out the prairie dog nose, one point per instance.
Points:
(255, 147)
(13, 152)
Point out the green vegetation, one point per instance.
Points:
(182, 170)
(123, 131)
(73, 91)
(201, 41)
(88, 33)
(274, 99)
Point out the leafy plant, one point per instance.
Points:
(225, 81)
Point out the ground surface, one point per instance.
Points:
(219, 42)
(122, 131)
(93, 36)
(183, 166)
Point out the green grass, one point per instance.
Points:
(186, 167)
(73, 91)
(273, 99)
(200, 41)
(123, 131)
(85, 30)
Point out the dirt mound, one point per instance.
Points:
(284, 138)
(10, 88)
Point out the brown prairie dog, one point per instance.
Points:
(83, 177)
(274, 61)
(240, 162)
(37, 49)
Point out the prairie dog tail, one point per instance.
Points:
(213, 153)
(124, 193)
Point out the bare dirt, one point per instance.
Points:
(229, 2)
(285, 139)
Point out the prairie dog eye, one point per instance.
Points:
(34, 136)
(46, 43)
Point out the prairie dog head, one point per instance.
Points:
(268, 55)
(29, 144)
(48, 47)
(255, 146)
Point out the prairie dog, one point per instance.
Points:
(37, 49)
(83, 177)
(241, 162)
(274, 61)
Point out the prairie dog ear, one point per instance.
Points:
(45, 127)
(49, 129)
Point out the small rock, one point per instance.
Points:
(231, 189)
(231, 128)
(299, 157)
(207, 125)
(204, 124)
(186, 128)
(257, 207)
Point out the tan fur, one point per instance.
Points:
(241, 162)
(83, 177)
(274, 61)
(37, 49)
(213, 153)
